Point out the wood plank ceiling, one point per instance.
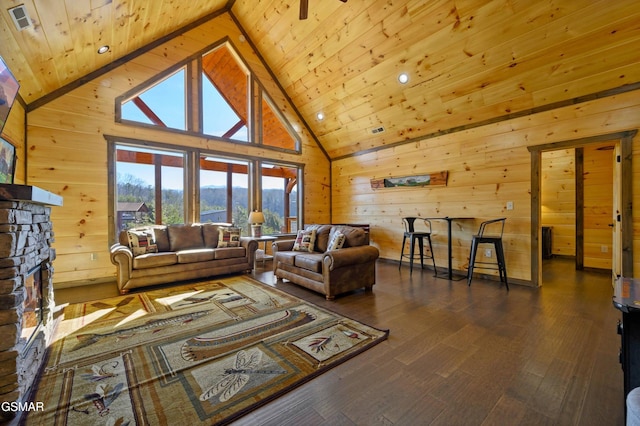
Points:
(469, 62)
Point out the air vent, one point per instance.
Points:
(20, 17)
(377, 130)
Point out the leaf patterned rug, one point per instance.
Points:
(203, 353)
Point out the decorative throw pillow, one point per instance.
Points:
(229, 237)
(337, 241)
(305, 240)
(142, 241)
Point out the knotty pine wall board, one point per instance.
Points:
(558, 199)
(598, 207)
(463, 197)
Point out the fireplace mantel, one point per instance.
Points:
(33, 194)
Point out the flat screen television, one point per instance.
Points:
(8, 91)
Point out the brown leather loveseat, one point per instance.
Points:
(329, 259)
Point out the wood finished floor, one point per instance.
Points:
(459, 355)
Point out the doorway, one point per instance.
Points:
(622, 179)
(577, 205)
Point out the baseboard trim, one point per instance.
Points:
(83, 283)
(442, 271)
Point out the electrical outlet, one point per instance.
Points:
(604, 249)
(509, 205)
(94, 256)
(487, 253)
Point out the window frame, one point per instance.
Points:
(229, 202)
(192, 178)
(194, 102)
(286, 219)
(263, 96)
(187, 66)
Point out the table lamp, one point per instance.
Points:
(256, 219)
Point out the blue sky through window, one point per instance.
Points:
(219, 117)
(166, 99)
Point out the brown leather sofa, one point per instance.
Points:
(330, 272)
(163, 254)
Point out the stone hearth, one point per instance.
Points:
(26, 235)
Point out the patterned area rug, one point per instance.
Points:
(203, 353)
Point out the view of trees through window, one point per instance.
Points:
(224, 191)
(150, 187)
(279, 198)
(150, 190)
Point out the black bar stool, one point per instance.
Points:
(418, 235)
(492, 237)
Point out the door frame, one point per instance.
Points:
(626, 220)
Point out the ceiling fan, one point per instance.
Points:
(304, 8)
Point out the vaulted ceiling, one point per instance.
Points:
(469, 62)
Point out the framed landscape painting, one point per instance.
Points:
(8, 91)
(7, 161)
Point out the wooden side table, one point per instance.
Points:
(265, 256)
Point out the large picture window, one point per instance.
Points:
(149, 187)
(224, 191)
(152, 185)
(279, 198)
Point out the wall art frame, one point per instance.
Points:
(413, 181)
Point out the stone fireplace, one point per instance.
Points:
(26, 290)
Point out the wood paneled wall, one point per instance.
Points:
(15, 132)
(559, 199)
(488, 166)
(67, 151)
(598, 206)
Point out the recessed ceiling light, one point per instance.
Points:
(103, 49)
(320, 116)
(403, 78)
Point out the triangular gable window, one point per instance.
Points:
(225, 110)
(274, 131)
(163, 104)
(225, 94)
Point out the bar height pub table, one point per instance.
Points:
(449, 242)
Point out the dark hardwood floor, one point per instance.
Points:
(478, 355)
(459, 355)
